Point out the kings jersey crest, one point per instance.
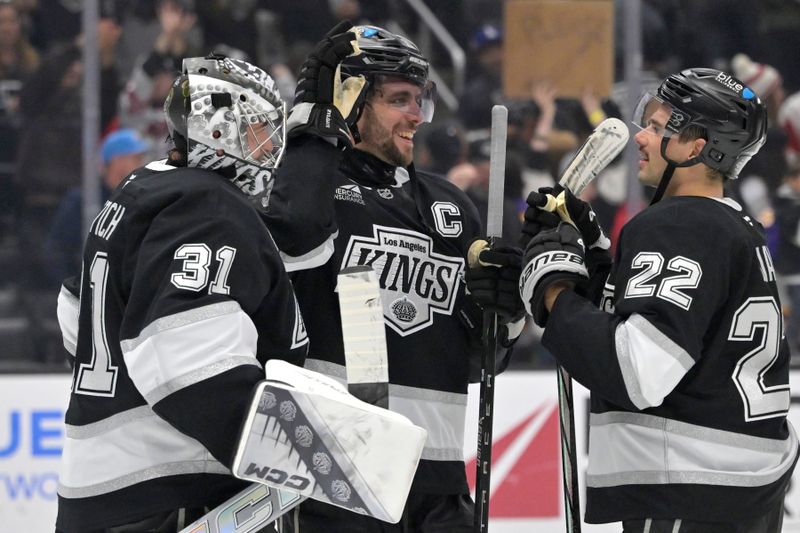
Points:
(415, 281)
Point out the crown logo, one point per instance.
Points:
(404, 310)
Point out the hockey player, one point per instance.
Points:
(182, 299)
(686, 359)
(347, 194)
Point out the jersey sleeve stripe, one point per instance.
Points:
(68, 311)
(190, 378)
(181, 319)
(316, 257)
(650, 362)
(644, 449)
(107, 424)
(168, 452)
(177, 351)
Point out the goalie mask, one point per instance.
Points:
(226, 114)
(388, 55)
(705, 103)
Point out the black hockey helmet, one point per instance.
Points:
(731, 114)
(388, 54)
(384, 52)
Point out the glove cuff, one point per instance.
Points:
(321, 120)
(532, 282)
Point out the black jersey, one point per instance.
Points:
(689, 369)
(415, 236)
(183, 298)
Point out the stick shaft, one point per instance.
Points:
(494, 230)
(599, 149)
(485, 419)
(569, 459)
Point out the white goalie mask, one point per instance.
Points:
(225, 113)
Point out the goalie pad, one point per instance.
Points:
(305, 433)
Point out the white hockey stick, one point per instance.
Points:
(364, 335)
(364, 338)
(600, 148)
(597, 152)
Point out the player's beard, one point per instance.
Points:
(382, 141)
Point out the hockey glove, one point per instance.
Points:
(578, 213)
(537, 219)
(571, 209)
(493, 279)
(554, 255)
(323, 105)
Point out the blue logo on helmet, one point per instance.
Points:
(748, 94)
(369, 32)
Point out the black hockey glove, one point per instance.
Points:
(580, 214)
(571, 209)
(554, 255)
(537, 219)
(322, 105)
(493, 281)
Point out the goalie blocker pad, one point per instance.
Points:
(306, 433)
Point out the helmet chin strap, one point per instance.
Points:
(669, 171)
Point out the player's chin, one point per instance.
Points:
(405, 154)
(645, 171)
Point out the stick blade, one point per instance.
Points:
(601, 147)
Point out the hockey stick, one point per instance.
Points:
(494, 230)
(364, 339)
(364, 335)
(599, 149)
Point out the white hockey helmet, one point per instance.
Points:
(226, 114)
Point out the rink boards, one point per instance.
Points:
(526, 478)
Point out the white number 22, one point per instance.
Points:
(671, 288)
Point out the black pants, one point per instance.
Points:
(772, 522)
(424, 513)
(169, 522)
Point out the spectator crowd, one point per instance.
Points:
(141, 44)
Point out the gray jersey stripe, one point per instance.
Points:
(159, 393)
(181, 319)
(316, 257)
(107, 424)
(442, 454)
(169, 469)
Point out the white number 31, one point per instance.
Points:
(195, 270)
